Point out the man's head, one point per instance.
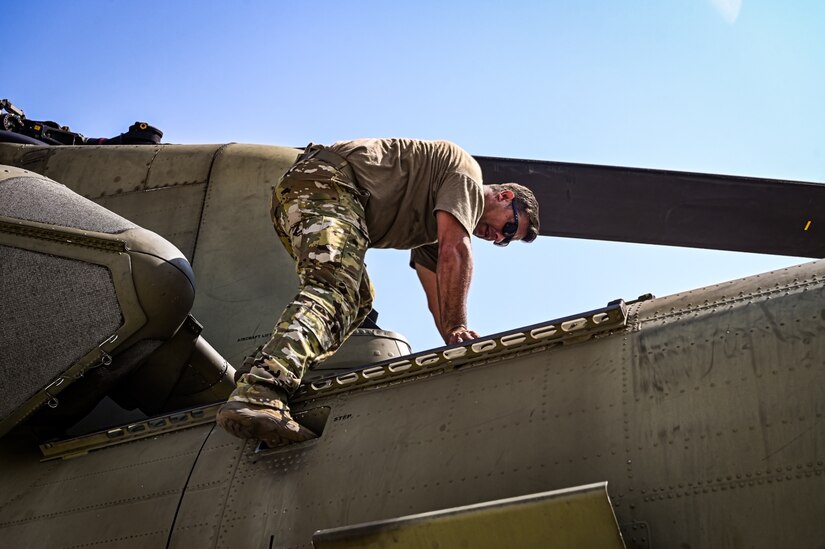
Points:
(510, 213)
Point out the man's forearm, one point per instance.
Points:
(430, 285)
(454, 272)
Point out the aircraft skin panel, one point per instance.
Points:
(236, 236)
(703, 413)
(122, 496)
(480, 434)
(707, 433)
(175, 213)
(98, 171)
(721, 456)
(118, 178)
(203, 509)
(181, 165)
(89, 171)
(728, 390)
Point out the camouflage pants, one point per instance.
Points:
(319, 216)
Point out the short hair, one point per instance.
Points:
(527, 206)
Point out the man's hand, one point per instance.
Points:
(460, 334)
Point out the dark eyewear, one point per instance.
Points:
(510, 228)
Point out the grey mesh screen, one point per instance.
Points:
(44, 201)
(53, 311)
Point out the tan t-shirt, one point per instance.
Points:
(408, 181)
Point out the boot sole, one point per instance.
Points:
(243, 421)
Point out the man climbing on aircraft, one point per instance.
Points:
(333, 204)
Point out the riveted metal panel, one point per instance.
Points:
(704, 443)
(201, 514)
(12, 154)
(181, 165)
(101, 171)
(161, 188)
(245, 277)
(724, 424)
(95, 171)
(175, 212)
(483, 432)
(123, 496)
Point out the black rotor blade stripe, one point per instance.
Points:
(721, 212)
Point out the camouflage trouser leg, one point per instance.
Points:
(321, 223)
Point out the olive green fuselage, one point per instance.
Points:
(702, 410)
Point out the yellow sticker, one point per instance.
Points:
(807, 225)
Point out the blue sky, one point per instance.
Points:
(719, 86)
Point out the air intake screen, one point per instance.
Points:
(54, 311)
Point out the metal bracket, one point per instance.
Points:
(151, 427)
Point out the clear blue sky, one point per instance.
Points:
(715, 86)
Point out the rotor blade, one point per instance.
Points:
(720, 212)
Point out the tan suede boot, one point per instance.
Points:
(257, 411)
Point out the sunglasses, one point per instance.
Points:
(510, 228)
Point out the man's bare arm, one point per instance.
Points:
(453, 274)
(430, 285)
